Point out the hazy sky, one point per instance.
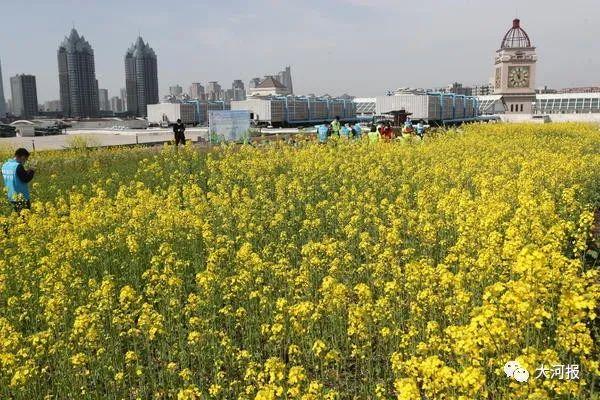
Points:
(361, 47)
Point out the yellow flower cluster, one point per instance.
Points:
(408, 270)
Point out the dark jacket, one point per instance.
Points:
(178, 129)
(24, 175)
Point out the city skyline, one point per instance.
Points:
(418, 49)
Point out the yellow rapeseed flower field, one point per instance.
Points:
(408, 270)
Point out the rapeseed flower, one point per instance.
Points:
(402, 270)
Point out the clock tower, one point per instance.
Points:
(514, 73)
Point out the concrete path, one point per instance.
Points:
(106, 138)
(100, 138)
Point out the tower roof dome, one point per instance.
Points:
(516, 37)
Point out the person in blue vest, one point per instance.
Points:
(408, 127)
(16, 179)
(322, 133)
(345, 131)
(420, 129)
(356, 130)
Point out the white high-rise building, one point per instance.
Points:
(103, 100)
(52, 106)
(197, 91)
(24, 95)
(285, 78)
(254, 82)
(124, 98)
(214, 91)
(239, 92)
(116, 104)
(514, 71)
(175, 90)
(2, 101)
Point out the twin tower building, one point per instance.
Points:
(79, 86)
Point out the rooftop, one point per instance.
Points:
(139, 49)
(270, 82)
(75, 43)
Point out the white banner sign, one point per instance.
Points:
(229, 126)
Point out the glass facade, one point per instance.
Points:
(576, 103)
(365, 106)
(565, 103)
(487, 104)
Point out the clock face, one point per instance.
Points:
(518, 77)
(498, 76)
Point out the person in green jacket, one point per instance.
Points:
(336, 126)
(374, 135)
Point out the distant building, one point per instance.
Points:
(52, 106)
(292, 110)
(285, 78)
(214, 91)
(175, 90)
(103, 100)
(169, 113)
(141, 78)
(568, 103)
(483, 90)
(589, 89)
(227, 95)
(458, 88)
(116, 104)
(24, 96)
(203, 108)
(2, 100)
(432, 107)
(270, 86)
(239, 92)
(197, 91)
(124, 98)
(546, 90)
(169, 98)
(77, 77)
(408, 90)
(253, 83)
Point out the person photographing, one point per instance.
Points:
(16, 178)
(178, 130)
